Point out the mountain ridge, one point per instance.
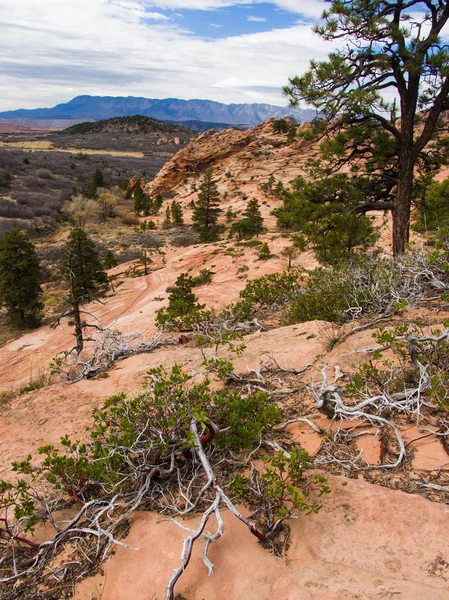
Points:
(173, 109)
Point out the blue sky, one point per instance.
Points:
(223, 50)
(232, 20)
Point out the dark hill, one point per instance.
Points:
(133, 124)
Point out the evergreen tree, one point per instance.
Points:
(182, 304)
(264, 252)
(84, 273)
(290, 253)
(177, 213)
(251, 225)
(324, 211)
(157, 203)
(253, 217)
(97, 182)
(20, 277)
(167, 220)
(390, 47)
(142, 203)
(109, 260)
(206, 209)
(82, 267)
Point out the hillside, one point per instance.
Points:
(171, 109)
(133, 124)
(381, 532)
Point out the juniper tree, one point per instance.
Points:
(392, 47)
(206, 209)
(20, 277)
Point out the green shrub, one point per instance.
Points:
(204, 277)
(249, 243)
(268, 290)
(432, 211)
(323, 298)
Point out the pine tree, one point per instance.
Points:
(253, 216)
(142, 203)
(182, 304)
(177, 213)
(206, 209)
(20, 277)
(264, 252)
(382, 95)
(157, 203)
(167, 220)
(109, 260)
(97, 182)
(82, 266)
(84, 273)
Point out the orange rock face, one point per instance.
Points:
(366, 543)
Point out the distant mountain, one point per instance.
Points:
(133, 124)
(171, 109)
(201, 126)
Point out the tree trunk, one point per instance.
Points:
(403, 202)
(76, 313)
(78, 327)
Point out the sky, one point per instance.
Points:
(222, 50)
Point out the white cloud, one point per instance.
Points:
(57, 49)
(215, 25)
(252, 19)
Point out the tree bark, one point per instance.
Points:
(403, 202)
(76, 313)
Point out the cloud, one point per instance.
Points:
(58, 49)
(215, 25)
(252, 19)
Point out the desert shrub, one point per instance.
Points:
(368, 285)
(44, 174)
(204, 277)
(324, 297)
(268, 290)
(184, 238)
(286, 486)
(249, 243)
(247, 417)
(147, 451)
(7, 224)
(420, 365)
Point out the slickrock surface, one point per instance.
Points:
(367, 543)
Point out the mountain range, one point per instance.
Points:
(93, 108)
